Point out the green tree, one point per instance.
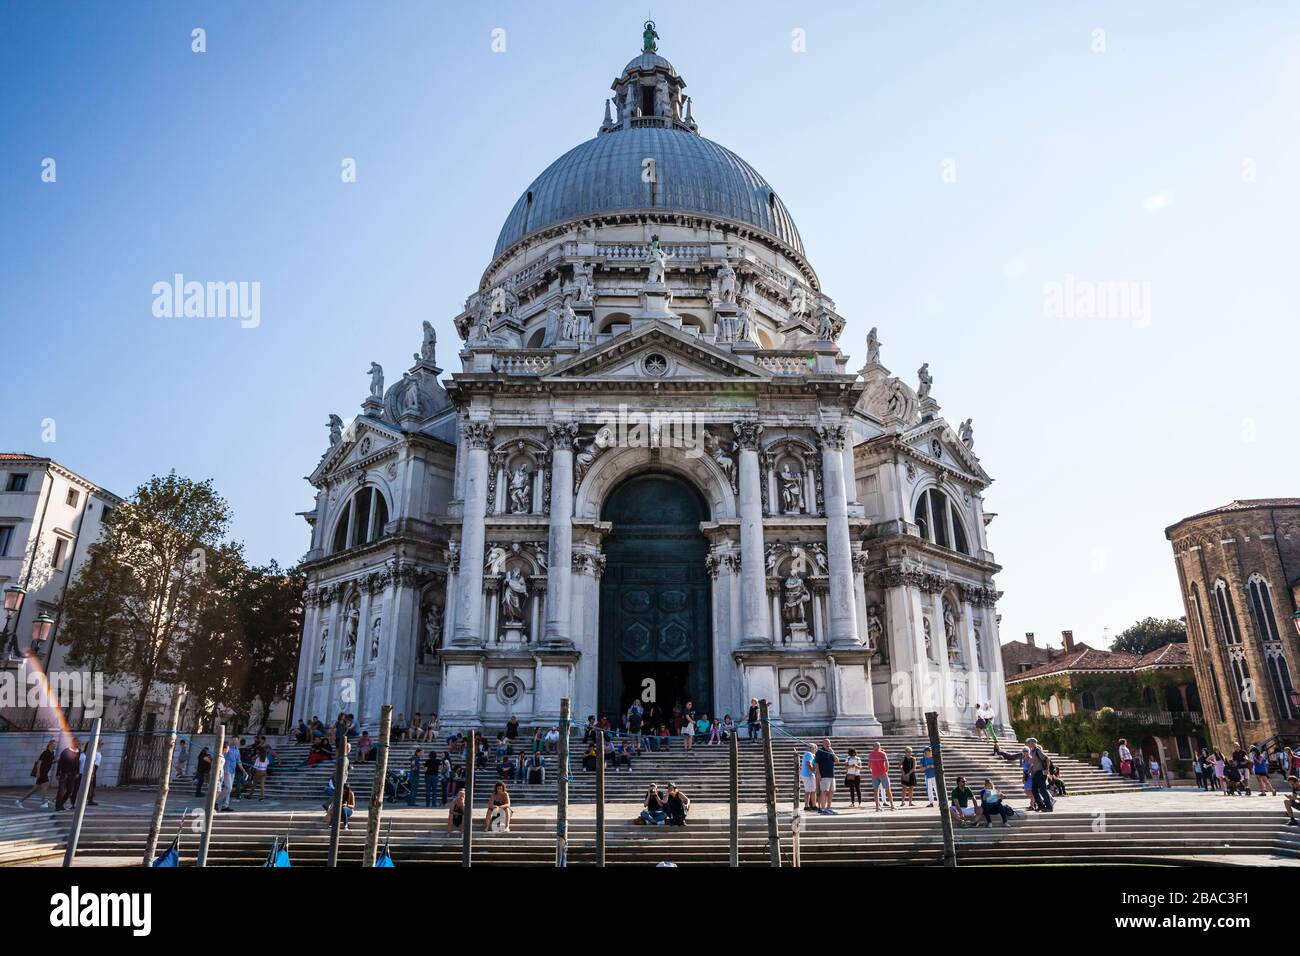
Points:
(1149, 633)
(270, 609)
(145, 597)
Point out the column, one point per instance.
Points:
(559, 568)
(308, 656)
(476, 437)
(753, 582)
(839, 553)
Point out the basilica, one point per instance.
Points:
(654, 476)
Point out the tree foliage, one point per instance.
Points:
(164, 598)
(1149, 633)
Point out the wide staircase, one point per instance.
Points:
(702, 772)
(910, 838)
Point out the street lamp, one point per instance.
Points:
(41, 632)
(14, 595)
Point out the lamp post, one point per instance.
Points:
(14, 595)
(40, 633)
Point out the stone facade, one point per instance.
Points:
(649, 311)
(1239, 571)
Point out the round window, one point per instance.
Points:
(803, 690)
(655, 364)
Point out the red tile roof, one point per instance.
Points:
(1171, 655)
(1242, 504)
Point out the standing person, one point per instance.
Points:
(94, 775)
(909, 776)
(229, 766)
(1220, 768)
(753, 720)
(261, 764)
(413, 785)
(633, 719)
(853, 778)
(931, 781)
(41, 771)
(878, 765)
(68, 773)
(182, 763)
(990, 724)
(1125, 758)
(431, 766)
(1198, 770)
(201, 771)
(1038, 775)
(1261, 773)
(808, 776)
(826, 760)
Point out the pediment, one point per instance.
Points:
(657, 352)
(362, 440)
(938, 441)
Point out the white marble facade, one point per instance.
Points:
(628, 327)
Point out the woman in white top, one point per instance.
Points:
(853, 777)
(260, 765)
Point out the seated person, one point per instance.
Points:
(552, 739)
(349, 804)
(961, 804)
(677, 805)
(508, 769)
(655, 807)
(535, 769)
(1292, 802)
(623, 756)
(456, 812)
(589, 760)
(497, 816)
(364, 746)
(991, 803)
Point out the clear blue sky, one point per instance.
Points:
(1122, 165)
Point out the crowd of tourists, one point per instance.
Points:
(68, 767)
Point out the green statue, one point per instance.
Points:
(648, 38)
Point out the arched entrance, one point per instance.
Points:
(655, 624)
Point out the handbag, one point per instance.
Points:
(1126, 767)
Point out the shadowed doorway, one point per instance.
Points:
(655, 624)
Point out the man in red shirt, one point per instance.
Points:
(878, 765)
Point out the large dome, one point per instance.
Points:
(695, 175)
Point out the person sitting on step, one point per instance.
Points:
(991, 803)
(677, 805)
(654, 807)
(497, 817)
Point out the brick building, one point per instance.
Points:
(1239, 572)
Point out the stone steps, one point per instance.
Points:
(419, 837)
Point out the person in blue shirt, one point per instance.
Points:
(931, 782)
(808, 776)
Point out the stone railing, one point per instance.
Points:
(785, 364)
(522, 363)
(628, 251)
(1159, 718)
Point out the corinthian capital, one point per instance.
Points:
(562, 435)
(477, 434)
(832, 437)
(748, 434)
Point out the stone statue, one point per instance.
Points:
(429, 346)
(950, 626)
(587, 448)
(432, 630)
(929, 639)
(796, 596)
(374, 638)
(875, 629)
(352, 622)
(513, 593)
(726, 282)
(825, 326)
(722, 454)
(897, 399)
(658, 259)
(410, 393)
(582, 282)
(520, 490)
(568, 321)
(495, 562)
(967, 433)
(376, 380)
(662, 107)
(798, 299)
(818, 558)
(499, 305)
(791, 491)
(873, 347)
(927, 380)
(335, 426)
(324, 645)
(770, 557)
(979, 644)
(745, 330)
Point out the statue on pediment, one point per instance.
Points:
(873, 347)
(967, 433)
(726, 282)
(926, 380)
(335, 425)
(429, 346)
(376, 380)
(658, 259)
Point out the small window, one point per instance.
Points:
(1087, 700)
(6, 536)
(60, 553)
(17, 482)
(1184, 747)
(73, 497)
